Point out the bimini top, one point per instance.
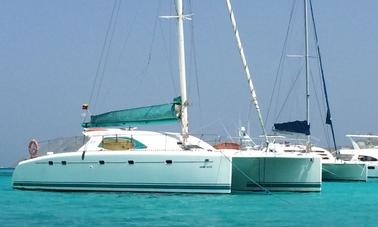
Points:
(127, 139)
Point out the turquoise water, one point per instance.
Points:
(339, 204)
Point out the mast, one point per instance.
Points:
(307, 68)
(246, 69)
(182, 72)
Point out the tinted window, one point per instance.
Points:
(120, 143)
(365, 158)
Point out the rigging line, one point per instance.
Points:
(282, 59)
(249, 116)
(322, 73)
(206, 126)
(319, 106)
(127, 37)
(226, 131)
(322, 105)
(265, 190)
(194, 58)
(290, 91)
(102, 53)
(144, 71)
(190, 51)
(326, 130)
(280, 73)
(168, 49)
(106, 59)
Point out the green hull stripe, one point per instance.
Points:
(111, 185)
(343, 179)
(285, 185)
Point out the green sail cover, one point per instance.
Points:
(156, 114)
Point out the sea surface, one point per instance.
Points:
(339, 204)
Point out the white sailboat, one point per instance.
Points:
(123, 159)
(261, 168)
(334, 169)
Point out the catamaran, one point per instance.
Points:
(261, 168)
(119, 158)
(334, 169)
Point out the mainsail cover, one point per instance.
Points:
(293, 126)
(156, 114)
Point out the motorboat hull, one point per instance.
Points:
(372, 165)
(285, 172)
(372, 170)
(132, 171)
(344, 172)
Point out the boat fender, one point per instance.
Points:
(33, 148)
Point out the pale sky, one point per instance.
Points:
(50, 50)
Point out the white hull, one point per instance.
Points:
(372, 169)
(334, 169)
(372, 166)
(151, 171)
(344, 172)
(276, 172)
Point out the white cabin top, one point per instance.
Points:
(364, 141)
(129, 139)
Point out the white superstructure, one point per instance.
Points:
(365, 149)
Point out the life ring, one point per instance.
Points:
(33, 148)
